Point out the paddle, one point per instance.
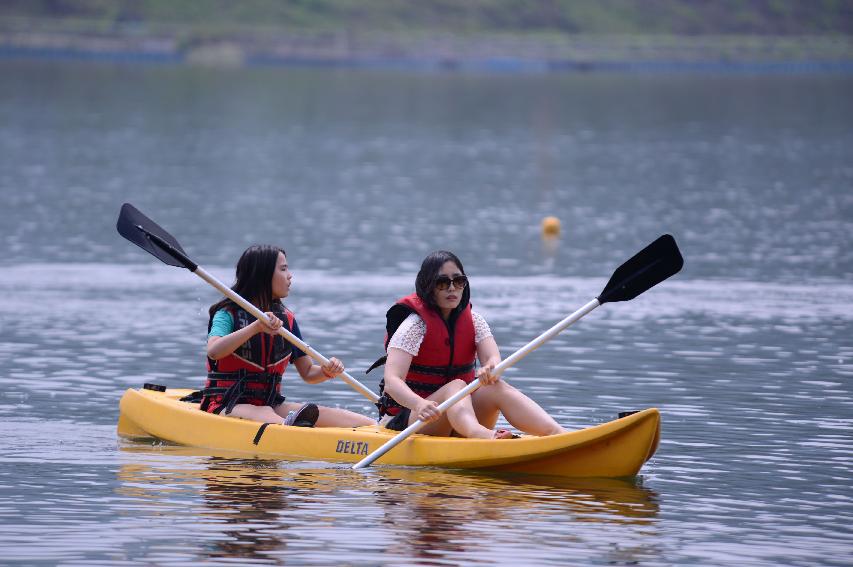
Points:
(146, 234)
(650, 266)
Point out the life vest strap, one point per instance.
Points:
(236, 386)
(443, 371)
(379, 362)
(243, 374)
(387, 405)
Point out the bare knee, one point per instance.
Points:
(496, 392)
(453, 387)
(504, 387)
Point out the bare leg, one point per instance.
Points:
(329, 417)
(523, 413)
(337, 417)
(264, 414)
(460, 417)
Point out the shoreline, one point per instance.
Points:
(431, 66)
(445, 52)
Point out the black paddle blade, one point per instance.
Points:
(646, 269)
(146, 234)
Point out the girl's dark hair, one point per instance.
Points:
(428, 274)
(254, 278)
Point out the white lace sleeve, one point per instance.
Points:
(409, 335)
(481, 328)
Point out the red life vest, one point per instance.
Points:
(252, 373)
(443, 356)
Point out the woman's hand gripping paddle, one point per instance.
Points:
(146, 234)
(653, 264)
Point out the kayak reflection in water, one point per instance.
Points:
(433, 339)
(247, 356)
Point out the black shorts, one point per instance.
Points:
(400, 421)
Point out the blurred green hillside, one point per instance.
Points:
(449, 30)
(674, 17)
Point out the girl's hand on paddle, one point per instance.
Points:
(333, 368)
(486, 375)
(427, 411)
(271, 326)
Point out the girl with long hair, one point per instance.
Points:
(246, 357)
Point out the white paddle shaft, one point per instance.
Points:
(288, 336)
(499, 369)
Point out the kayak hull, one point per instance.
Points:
(614, 449)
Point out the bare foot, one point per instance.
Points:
(502, 434)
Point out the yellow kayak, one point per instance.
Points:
(613, 449)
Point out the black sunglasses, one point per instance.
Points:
(443, 282)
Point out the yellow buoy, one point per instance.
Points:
(550, 226)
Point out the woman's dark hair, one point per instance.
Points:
(428, 274)
(254, 277)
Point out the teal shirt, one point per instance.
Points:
(223, 324)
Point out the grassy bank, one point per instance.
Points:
(455, 34)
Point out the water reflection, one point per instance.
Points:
(442, 516)
(257, 509)
(550, 249)
(249, 503)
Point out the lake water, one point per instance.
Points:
(358, 174)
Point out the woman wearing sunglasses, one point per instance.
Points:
(433, 339)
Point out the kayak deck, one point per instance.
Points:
(613, 449)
